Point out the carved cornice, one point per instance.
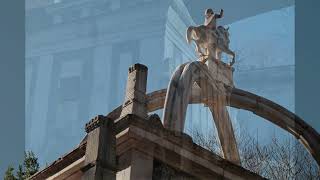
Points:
(96, 122)
(138, 67)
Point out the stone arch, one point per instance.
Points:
(241, 99)
(262, 107)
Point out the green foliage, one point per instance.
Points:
(9, 174)
(30, 164)
(20, 173)
(29, 167)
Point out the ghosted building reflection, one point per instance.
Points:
(78, 50)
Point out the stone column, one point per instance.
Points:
(100, 157)
(135, 100)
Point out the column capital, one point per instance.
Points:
(139, 67)
(95, 123)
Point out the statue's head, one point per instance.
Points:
(208, 12)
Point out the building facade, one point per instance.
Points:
(76, 56)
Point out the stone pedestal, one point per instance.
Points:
(146, 150)
(221, 72)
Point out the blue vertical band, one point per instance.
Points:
(12, 48)
(307, 80)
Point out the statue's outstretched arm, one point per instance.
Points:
(220, 15)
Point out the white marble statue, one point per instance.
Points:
(210, 40)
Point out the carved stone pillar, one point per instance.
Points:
(100, 157)
(135, 99)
